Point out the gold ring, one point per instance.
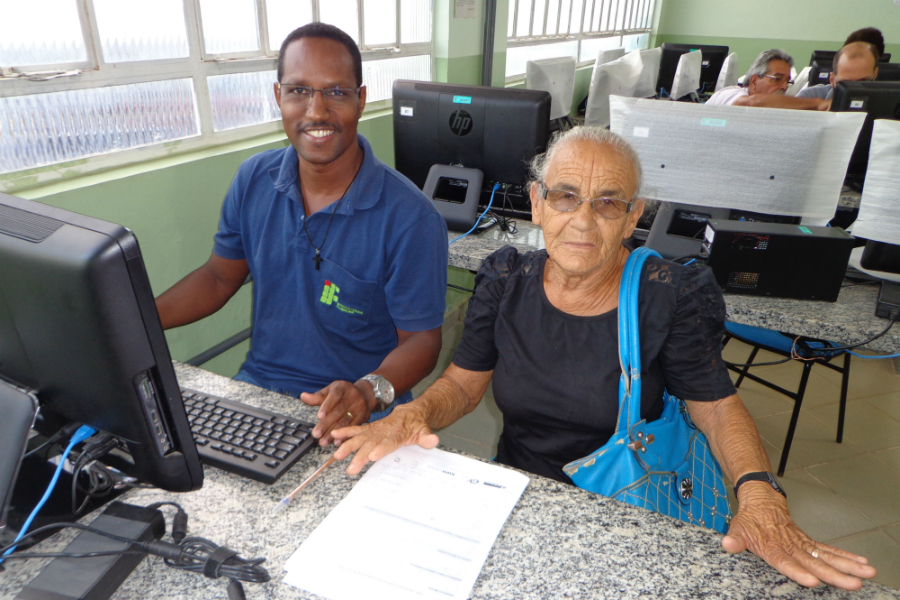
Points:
(349, 414)
(815, 553)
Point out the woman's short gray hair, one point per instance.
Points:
(584, 133)
(760, 66)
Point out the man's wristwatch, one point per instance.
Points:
(384, 391)
(760, 476)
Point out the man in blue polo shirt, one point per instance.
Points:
(348, 257)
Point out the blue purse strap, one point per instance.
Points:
(629, 340)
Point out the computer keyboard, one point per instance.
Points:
(245, 440)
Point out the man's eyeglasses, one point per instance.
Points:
(780, 79)
(302, 94)
(605, 208)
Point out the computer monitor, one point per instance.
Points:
(555, 76)
(713, 57)
(495, 130)
(79, 328)
(687, 75)
(888, 72)
(828, 56)
(879, 100)
(819, 72)
(728, 74)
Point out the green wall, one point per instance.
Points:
(796, 26)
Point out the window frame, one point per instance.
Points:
(630, 19)
(199, 66)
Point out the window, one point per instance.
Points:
(89, 78)
(577, 28)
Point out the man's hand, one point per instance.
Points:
(764, 526)
(824, 105)
(340, 404)
(405, 426)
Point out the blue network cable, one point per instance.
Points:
(494, 191)
(83, 433)
(873, 357)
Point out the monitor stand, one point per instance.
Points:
(888, 300)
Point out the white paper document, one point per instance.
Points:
(419, 524)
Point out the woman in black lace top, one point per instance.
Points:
(543, 326)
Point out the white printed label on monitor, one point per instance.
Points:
(642, 132)
(406, 111)
(710, 235)
(858, 104)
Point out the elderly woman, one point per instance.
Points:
(543, 326)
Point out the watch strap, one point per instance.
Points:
(766, 476)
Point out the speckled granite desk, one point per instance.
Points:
(559, 542)
(850, 319)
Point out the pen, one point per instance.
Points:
(284, 501)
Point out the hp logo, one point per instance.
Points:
(460, 123)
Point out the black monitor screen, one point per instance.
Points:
(820, 72)
(713, 57)
(888, 72)
(495, 130)
(79, 327)
(879, 100)
(828, 56)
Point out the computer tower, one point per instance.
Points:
(778, 260)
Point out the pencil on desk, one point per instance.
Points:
(284, 501)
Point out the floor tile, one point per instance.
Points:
(864, 425)
(867, 378)
(814, 508)
(761, 402)
(891, 458)
(865, 484)
(889, 403)
(882, 552)
(814, 439)
(819, 390)
(894, 532)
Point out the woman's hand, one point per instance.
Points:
(764, 526)
(405, 426)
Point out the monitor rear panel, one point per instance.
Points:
(495, 130)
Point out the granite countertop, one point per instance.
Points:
(559, 542)
(849, 320)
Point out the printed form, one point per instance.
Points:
(419, 524)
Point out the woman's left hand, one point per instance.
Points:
(763, 525)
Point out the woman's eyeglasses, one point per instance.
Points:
(605, 208)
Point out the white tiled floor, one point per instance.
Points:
(844, 494)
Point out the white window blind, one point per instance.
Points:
(579, 28)
(86, 78)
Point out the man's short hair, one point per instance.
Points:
(760, 66)
(322, 30)
(870, 35)
(859, 48)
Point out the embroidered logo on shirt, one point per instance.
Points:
(330, 297)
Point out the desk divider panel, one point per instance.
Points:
(775, 161)
(879, 208)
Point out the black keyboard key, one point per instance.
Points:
(289, 439)
(201, 441)
(279, 420)
(281, 454)
(259, 447)
(250, 456)
(216, 446)
(273, 464)
(286, 447)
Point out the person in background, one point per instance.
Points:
(766, 81)
(348, 257)
(857, 61)
(543, 327)
(870, 35)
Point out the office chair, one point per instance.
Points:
(816, 351)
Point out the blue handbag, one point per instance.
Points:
(665, 465)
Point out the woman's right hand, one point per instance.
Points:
(405, 426)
